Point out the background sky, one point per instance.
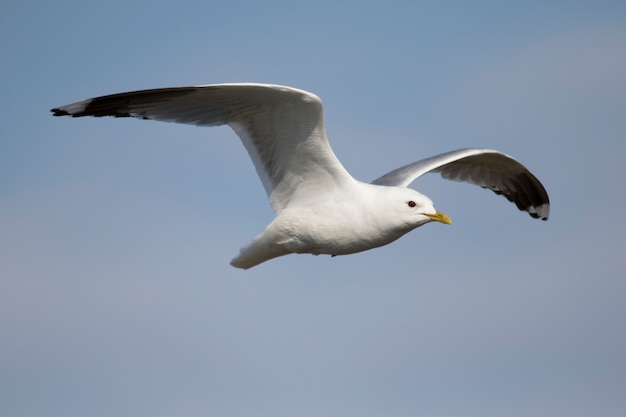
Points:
(116, 293)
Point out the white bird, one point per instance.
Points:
(320, 208)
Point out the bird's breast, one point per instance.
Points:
(333, 230)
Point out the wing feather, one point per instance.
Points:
(281, 127)
(483, 167)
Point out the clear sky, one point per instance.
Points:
(116, 293)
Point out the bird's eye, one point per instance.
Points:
(411, 203)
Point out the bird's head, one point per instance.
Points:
(414, 209)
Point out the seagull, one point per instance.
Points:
(320, 208)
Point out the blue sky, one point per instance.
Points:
(116, 294)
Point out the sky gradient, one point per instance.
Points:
(116, 293)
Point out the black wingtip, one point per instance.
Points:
(538, 216)
(59, 112)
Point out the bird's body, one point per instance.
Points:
(350, 220)
(320, 208)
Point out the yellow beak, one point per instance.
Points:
(439, 217)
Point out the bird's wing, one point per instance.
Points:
(485, 168)
(281, 127)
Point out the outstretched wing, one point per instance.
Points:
(485, 168)
(281, 127)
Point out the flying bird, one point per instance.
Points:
(320, 208)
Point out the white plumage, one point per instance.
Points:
(320, 208)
